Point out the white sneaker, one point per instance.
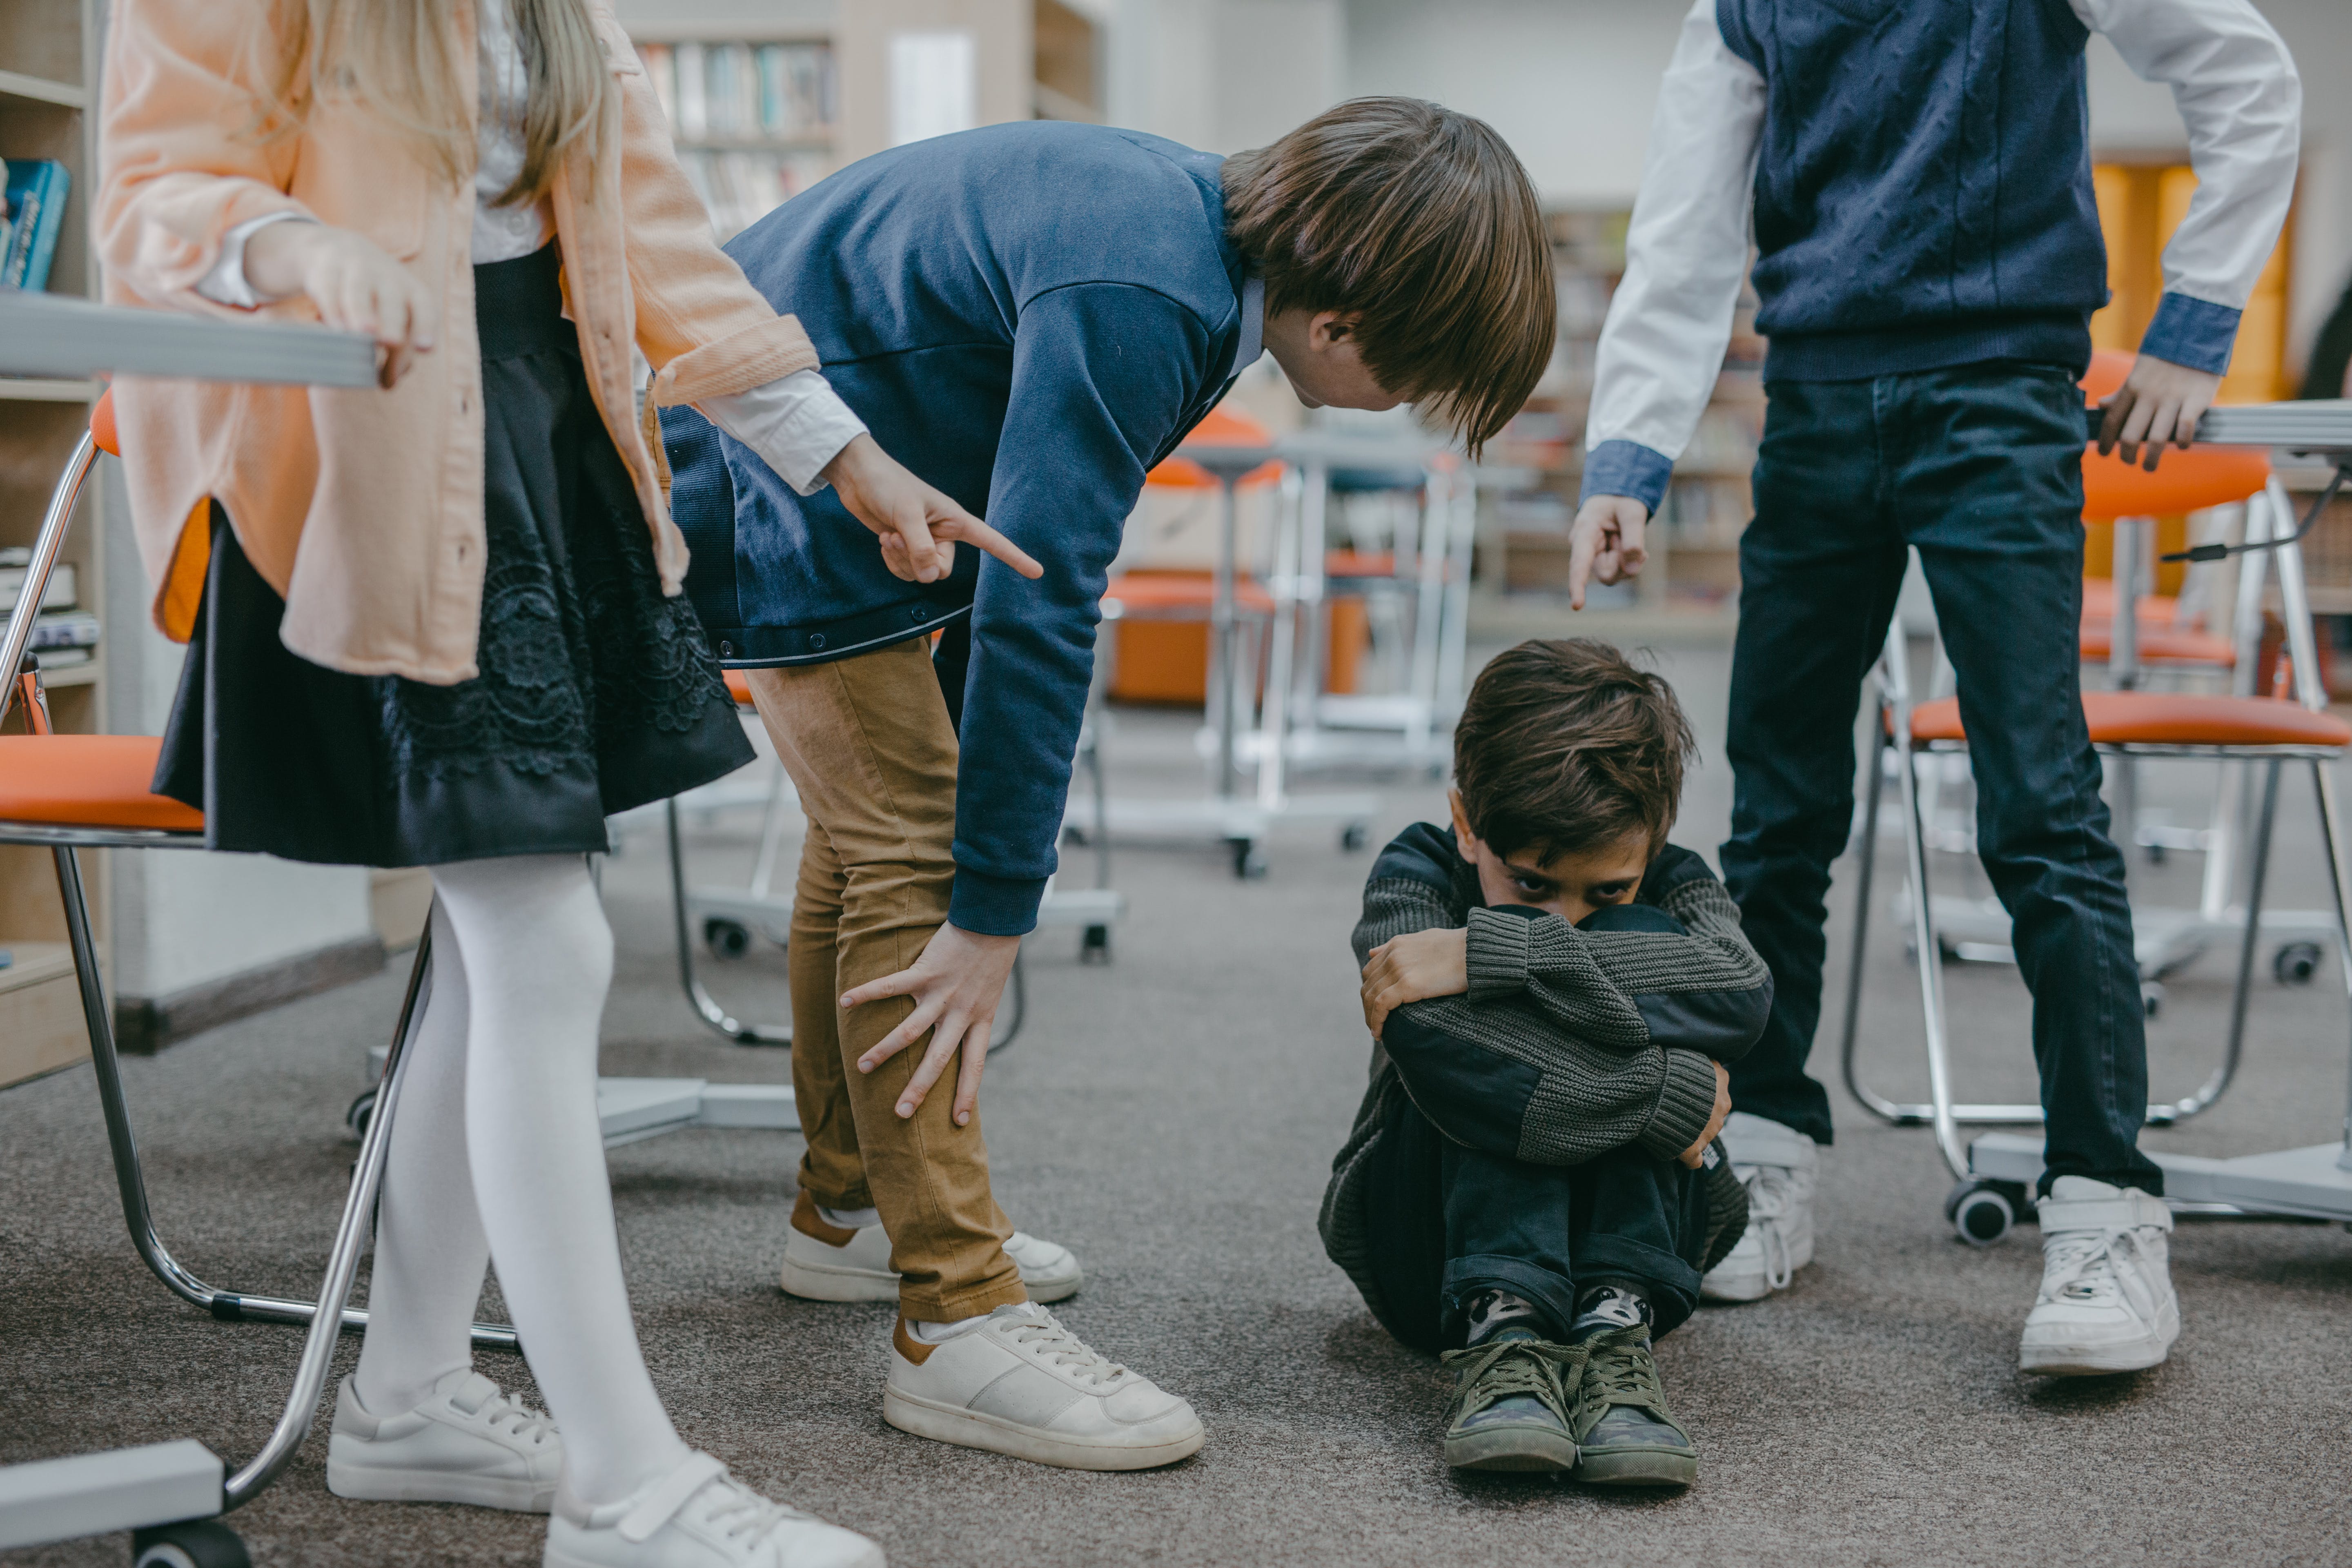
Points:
(826, 1262)
(1781, 1167)
(2107, 1302)
(1018, 1383)
(468, 1443)
(699, 1516)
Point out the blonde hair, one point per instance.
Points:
(398, 60)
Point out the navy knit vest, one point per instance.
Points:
(1923, 188)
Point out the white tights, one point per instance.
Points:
(496, 1154)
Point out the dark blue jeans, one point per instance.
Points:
(1449, 1221)
(1979, 467)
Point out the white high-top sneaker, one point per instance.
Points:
(1017, 1382)
(1781, 1167)
(468, 1443)
(699, 1516)
(2107, 1302)
(826, 1262)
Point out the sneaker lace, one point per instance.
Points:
(741, 1516)
(2082, 1266)
(1768, 1204)
(1619, 1369)
(503, 1412)
(1504, 1369)
(1044, 1337)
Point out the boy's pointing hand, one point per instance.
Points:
(917, 524)
(1413, 968)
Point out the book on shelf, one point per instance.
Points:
(63, 593)
(36, 213)
(54, 629)
(743, 91)
(743, 186)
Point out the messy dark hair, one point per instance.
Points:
(1566, 745)
(1423, 222)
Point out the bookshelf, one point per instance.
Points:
(1692, 583)
(754, 118)
(48, 75)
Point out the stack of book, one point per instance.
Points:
(753, 121)
(36, 213)
(63, 632)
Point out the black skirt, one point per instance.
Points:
(596, 693)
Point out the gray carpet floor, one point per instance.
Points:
(1172, 1117)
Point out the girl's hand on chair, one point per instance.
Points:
(1413, 968)
(917, 524)
(2159, 402)
(355, 286)
(1696, 1153)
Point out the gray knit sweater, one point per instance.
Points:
(1571, 1041)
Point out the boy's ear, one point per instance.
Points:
(1330, 327)
(1465, 841)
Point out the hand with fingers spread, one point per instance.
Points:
(1696, 1153)
(917, 524)
(356, 287)
(1413, 968)
(956, 985)
(1605, 545)
(2159, 401)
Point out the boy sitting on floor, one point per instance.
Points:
(1534, 1183)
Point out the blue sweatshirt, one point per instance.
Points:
(1029, 316)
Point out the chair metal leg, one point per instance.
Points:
(1877, 1104)
(228, 1306)
(1931, 965)
(2331, 830)
(2242, 993)
(705, 1007)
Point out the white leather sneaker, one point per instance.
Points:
(468, 1443)
(825, 1262)
(699, 1516)
(1781, 1167)
(2106, 1303)
(1019, 1382)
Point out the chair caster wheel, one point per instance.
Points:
(1094, 947)
(202, 1544)
(2296, 963)
(1982, 1211)
(726, 938)
(2151, 997)
(356, 1114)
(1352, 836)
(1249, 863)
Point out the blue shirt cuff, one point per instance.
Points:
(2194, 332)
(995, 906)
(1626, 469)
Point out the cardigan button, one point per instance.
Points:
(816, 641)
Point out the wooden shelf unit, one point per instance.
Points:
(48, 86)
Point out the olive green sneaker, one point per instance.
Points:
(1510, 1404)
(1625, 1433)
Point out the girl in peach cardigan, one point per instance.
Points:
(439, 624)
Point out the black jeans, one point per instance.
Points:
(1979, 467)
(1449, 1221)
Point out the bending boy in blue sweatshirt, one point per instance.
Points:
(1034, 314)
(1917, 178)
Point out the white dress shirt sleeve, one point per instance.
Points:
(1686, 253)
(227, 284)
(797, 424)
(2236, 87)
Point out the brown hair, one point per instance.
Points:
(1565, 745)
(1421, 221)
(398, 59)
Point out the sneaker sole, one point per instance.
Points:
(1638, 1468)
(365, 1484)
(1526, 1450)
(969, 1429)
(823, 1282)
(2062, 1363)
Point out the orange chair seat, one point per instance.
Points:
(1358, 564)
(2099, 604)
(1179, 596)
(738, 688)
(2169, 719)
(2159, 644)
(88, 780)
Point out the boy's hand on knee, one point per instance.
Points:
(956, 985)
(1605, 545)
(1697, 1152)
(917, 524)
(1413, 968)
